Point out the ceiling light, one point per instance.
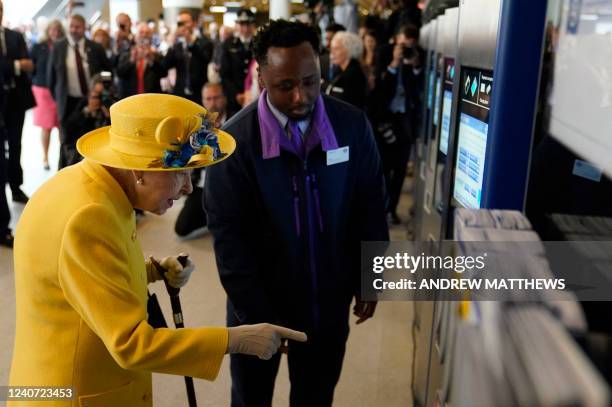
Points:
(218, 9)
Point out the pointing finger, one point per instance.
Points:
(290, 333)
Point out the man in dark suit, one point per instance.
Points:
(192, 217)
(400, 80)
(6, 236)
(140, 68)
(236, 58)
(190, 56)
(18, 64)
(288, 211)
(73, 62)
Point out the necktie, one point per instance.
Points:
(140, 75)
(187, 56)
(296, 137)
(80, 70)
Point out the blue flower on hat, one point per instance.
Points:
(204, 136)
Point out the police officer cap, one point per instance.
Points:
(245, 16)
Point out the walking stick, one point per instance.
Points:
(177, 315)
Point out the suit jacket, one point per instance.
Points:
(77, 123)
(324, 64)
(4, 73)
(20, 86)
(57, 75)
(386, 85)
(81, 293)
(197, 72)
(235, 61)
(350, 85)
(128, 75)
(254, 206)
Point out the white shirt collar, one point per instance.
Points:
(72, 43)
(283, 119)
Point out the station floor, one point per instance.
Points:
(378, 361)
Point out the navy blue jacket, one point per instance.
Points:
(19, 86)
(269, 271)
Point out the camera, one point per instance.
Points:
(107, 97)
(410, 53)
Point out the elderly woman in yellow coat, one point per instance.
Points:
(81, 278)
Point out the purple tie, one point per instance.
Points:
(296, 137)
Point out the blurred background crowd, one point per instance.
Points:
(70, 70)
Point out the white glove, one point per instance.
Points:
(261, 340)
(176, 274)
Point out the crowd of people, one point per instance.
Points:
(71, 73)
(322, 132)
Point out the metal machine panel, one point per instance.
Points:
(447, 53)
(424, 135)
(514, 104)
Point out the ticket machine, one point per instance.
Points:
(481, 159)
(496, 110)
(437, 152)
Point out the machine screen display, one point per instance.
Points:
(436, 117)
(431, 80)
(476, 87)
(446, 118)
(447, 105)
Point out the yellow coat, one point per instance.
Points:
(81, 294)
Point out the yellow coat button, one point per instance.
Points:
(134, 236)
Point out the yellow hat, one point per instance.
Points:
(157, 132)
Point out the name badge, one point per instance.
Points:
(587, 170)
(339, 155)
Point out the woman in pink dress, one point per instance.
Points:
(45, 112)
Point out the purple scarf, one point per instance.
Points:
(273, 136)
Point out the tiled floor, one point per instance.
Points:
(377, 365)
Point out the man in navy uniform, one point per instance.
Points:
(288, 211)
(236, 58)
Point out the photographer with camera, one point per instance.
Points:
(123, 36)
(93, 112)
(399, 81)
(140, 68)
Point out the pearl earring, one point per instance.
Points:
(140, 181)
